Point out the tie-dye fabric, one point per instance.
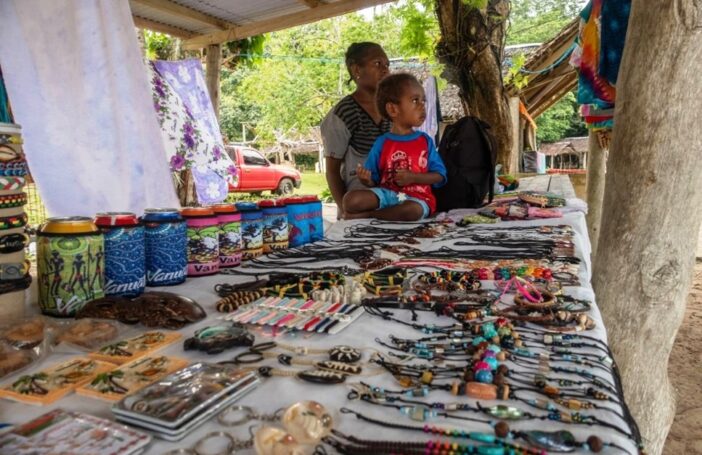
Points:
(190, 128)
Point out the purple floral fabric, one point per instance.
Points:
(189, 127)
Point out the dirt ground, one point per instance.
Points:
(684, 369)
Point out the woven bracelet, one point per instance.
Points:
(11, 183)
(13, 200)
(14, 221)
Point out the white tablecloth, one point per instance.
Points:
(279, 392)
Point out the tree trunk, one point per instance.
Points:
(651, 212)
(471, 47)
(596, 172)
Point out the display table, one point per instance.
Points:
(279, 392)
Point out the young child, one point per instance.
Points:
(403, 165)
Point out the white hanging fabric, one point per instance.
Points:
(78, 86)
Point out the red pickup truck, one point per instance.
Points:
(257, 174)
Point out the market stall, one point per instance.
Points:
(501, 380)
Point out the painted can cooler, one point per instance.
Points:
(299, 233)
(229, 235)
(275, 225)
(251, 230)
(165, 247)
(314, 216)
(203, 241)
(125, 256)
(70, 265)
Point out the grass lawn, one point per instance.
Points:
(312, 183)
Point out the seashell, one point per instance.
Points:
(274, 441)
(307, 421)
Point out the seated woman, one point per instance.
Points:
(353, 125)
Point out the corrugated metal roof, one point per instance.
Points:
(199, 18)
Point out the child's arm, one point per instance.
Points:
(364, 176)
(369, 173)
(436, 171)
(436, 164)
(403, 177)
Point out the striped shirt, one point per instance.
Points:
(348, 133)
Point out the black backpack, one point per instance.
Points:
(469, 151)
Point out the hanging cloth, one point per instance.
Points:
(78, 87)
(614, 23)
(431, 122)
(592, 87)
(190, 128)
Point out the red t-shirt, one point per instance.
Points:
(415, 152)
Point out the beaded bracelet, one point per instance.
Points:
(13, 168)
(13, 200)
(14, 221)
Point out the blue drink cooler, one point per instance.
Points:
(314, 210)
(275, 225)
(251, 230)
(166, 247)
(298, 210)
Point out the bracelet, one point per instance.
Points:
(215, 435)
(15, 285)
(14, 221)
(12, 243)
(13, 168)
(11, 183)
(14, 270)
(12, 200)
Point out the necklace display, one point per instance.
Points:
(341, 362)
(540, 441)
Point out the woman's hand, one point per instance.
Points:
(364, 176)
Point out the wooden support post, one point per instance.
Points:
(651, 211)
(515, 154)
(214, 65)
(596, 171)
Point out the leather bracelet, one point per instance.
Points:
(12, 243)
(14, 221)
(11, 183)
(12, 200)
(15, 285)
(14, 270)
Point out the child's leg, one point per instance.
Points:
(405, 211)
(360, 201)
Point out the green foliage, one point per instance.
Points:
(514, 74)
(300, 73)
(159, 46)
(560, 121)
(243, 51)
(537, 21)
(478, 4)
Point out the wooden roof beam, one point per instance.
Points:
(311, 3)
(163, 28)
(167, 6)
(279, 23)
